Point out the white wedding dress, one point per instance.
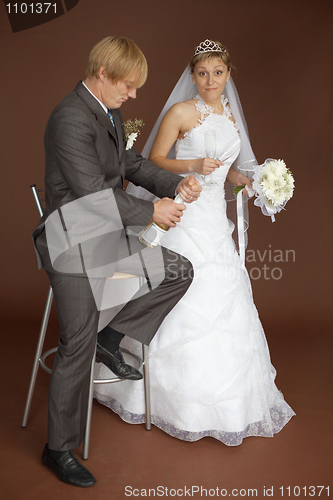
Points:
(210, 368)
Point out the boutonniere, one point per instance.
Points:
(132, 130)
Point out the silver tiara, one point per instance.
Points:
(208, 46)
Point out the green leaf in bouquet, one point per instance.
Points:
(237, 189)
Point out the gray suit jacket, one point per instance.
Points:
(84, 154)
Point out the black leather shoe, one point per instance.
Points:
(117, 364)
(67, 467)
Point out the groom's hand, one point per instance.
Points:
(167, 213)
(189, 189)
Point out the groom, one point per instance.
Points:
(86, 164)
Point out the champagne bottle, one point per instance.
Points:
(152, 234)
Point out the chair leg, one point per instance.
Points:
(85, 452)
(146, 385)
(38, 354)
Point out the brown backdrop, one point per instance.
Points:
(282, 50)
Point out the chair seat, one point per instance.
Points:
(122, 276)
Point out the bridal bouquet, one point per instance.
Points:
(132, 130)
(273, 184)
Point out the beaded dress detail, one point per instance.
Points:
(210, 367)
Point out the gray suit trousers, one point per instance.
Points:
(78, 318)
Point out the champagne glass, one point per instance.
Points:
(210, 147)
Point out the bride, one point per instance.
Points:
(210, 368)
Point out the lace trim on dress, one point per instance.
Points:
(205, 111)
(203, 108)
(280, 415)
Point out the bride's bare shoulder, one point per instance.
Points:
(186, 107)
(183, 116)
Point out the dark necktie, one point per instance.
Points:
(111, 117)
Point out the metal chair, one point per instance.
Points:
(40, 358)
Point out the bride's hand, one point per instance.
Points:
(205, 166)
(248, 185)
(240, 180)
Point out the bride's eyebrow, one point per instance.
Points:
(215, 67)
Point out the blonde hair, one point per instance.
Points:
(121, 57)
(202, 56)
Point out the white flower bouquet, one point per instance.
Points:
(132, 130)
(273, 184)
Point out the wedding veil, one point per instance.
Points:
(245, 162)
